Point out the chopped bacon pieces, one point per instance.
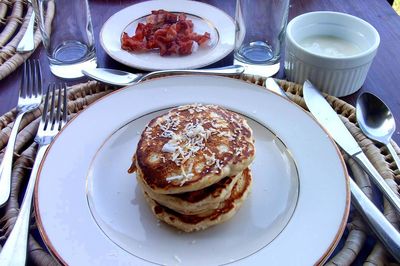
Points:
(168, 32)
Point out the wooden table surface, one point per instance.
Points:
(383, 78)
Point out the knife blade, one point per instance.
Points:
(271, 84)
(328, 118)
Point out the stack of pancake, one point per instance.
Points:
(192, 164)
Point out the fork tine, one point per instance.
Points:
(59, 103)
(52, 107)
(31, 78)
(38, 86)
(34, 78)
(65, 106)
(46, 105)
(22, 86)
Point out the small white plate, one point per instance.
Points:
(91, 212)
(206, 18)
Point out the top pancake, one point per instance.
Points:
(192, 147)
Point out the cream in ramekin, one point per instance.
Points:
(333, 50)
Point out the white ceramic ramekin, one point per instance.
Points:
(337, 76)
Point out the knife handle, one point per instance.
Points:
(383, 229)
(389, 194)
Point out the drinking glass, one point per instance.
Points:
(260, 33)
(69, 39)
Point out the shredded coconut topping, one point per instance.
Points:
(238, 151)
(169, 147)
(185, 145)
(210, 159)
(218, 164)
(175, 177)
(185, 142)
(224, 134)
(199, 108)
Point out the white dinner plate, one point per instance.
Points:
(90, 211)
(206, 18)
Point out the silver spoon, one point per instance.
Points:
(123, 78)
(376, 121)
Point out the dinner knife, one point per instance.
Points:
(383, 229)
(329, 119)
(271, 85)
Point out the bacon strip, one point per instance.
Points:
(169, 33)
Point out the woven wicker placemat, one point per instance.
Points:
(83, 95)
(14, 19)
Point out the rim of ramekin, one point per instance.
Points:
(363, 54)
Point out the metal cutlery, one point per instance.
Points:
(383, 229)
(376, 121)
(271, 85)
(377, 221)
(122, 78)
(329, 119)
(27, 43)
(54, 117)
(30, 97)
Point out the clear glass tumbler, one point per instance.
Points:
(69, 39)
(260, 33)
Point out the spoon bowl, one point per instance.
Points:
(111, 76)
(376, 121)
(375, 118)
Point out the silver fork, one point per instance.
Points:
(27, 43)
(30, 97)
(15, 249)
